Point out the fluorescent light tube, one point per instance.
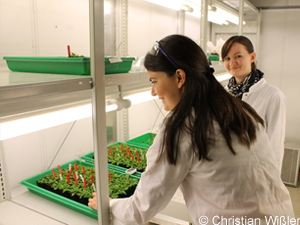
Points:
(171, 4)
(216, 18)
(140, 97)
(107, 7)
(28, 125)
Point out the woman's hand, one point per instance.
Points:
(93, 201)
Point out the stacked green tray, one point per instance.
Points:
(90, 158)
(66, 65)
(31, 185)
(144, 140)
(214, 57)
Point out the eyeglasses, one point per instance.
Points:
(158, 48)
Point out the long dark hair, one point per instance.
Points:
(238, 39)
(203, 101)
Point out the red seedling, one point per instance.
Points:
(60, 170)
(68, 177)
(75, 177)
(53, 173)
(84, 182)
(71, 170)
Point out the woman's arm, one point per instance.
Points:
(155, 189)
(275, 124)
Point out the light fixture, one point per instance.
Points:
(216, 18)
(107, 7)
(140, 97)
(228, 16)
(110, 108)
(171, 4)
(187, 8)
(193, 8)
(35, 123)
(28, 125)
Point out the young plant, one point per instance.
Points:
(120, 185)
(127, 156)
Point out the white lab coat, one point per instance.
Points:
(270, 103)
(246, 185)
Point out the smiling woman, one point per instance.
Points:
(238, 61)
(248, 84)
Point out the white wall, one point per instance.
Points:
(192, 28)
(279, 59)
(43, 28)
(148, 23)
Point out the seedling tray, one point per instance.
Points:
(32, 186)
(145, 140)
(90, 158)
(66, 65)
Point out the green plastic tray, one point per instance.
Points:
(213, 57)
(112, 67)
(89, 158)
(144, 141)
(31, 185)
(65, 65)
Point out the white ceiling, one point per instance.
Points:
(265, 4)
(261, 4)
(276, 3)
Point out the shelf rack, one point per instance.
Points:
(22, 92)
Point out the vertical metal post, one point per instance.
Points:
(121, 13)
(4, 190)
(203, 25)
(241, 16)
(258, 37)
(98, 106)
(124, 27)
(34, 32)
(181, 22)
(123, 120)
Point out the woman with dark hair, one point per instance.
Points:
(248, 84)
(211, 145)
